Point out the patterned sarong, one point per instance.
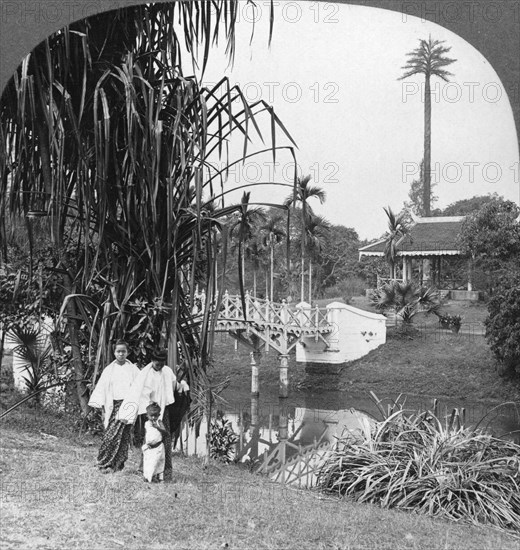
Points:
(113, 451)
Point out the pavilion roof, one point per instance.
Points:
(432, 236)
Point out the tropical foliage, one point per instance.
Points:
(405, 300)
(420, 462)
(116, 147)
(429, 59)
(397, 228)
(490, 239)
(33, 351)
(503, 324)
(222, 439)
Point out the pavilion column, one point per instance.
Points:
(407, 269)
(427, 271)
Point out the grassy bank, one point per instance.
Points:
(53, 497)
(429, 365)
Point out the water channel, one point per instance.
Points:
(272, 430)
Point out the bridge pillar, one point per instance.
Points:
(283, 432)
(284, 378)
(255, 386)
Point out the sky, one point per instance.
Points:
(331, 73)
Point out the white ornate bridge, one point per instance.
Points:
(334, 334)
(277, 325)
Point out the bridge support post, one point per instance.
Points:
(284, 378)
(255, 387)
(283, 433)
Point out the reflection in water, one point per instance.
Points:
(287, 441)
(284, 442)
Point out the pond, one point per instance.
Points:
(285, 438)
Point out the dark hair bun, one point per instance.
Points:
(159, 355)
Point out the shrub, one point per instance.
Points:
(416, 462)
(405, 299)
(451, 322)
(222, 439)
(503, 323)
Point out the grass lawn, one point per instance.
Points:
(53, 497)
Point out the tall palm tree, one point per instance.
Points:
(243, 229)
(255, 253)
(396, 229)
(317, 229)
(273, 234)
(303, 193)
(111, 141)
(430, 60)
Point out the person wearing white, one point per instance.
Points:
(153, 448)
(111, 389)
(155, 383)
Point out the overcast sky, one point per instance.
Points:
(331, 74)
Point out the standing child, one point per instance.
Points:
(156, 383)
(153, 448)
(110, 391)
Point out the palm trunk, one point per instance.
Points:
(310, 282)
(427, 145)
(302, 291)
(272, 273)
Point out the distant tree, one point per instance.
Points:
(428, 59)
(242, 230)
(273, 234)
(464, 207)
(416, 195)
(491, 237)
(340, 256)
(492, 232)
(316, 230)
(302, 195)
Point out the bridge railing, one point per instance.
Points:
(269, 313)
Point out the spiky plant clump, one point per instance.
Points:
(416, 462)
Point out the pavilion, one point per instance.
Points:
(429, 238)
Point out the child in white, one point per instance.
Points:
(153, 448)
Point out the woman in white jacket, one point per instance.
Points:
(111, 389)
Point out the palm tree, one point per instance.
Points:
(255, 253)
(428, 59)
(316, 230)
(273, 234)
(396, 229)
(302, 194)
(111, 141)
(406, 300)
(243, 229)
